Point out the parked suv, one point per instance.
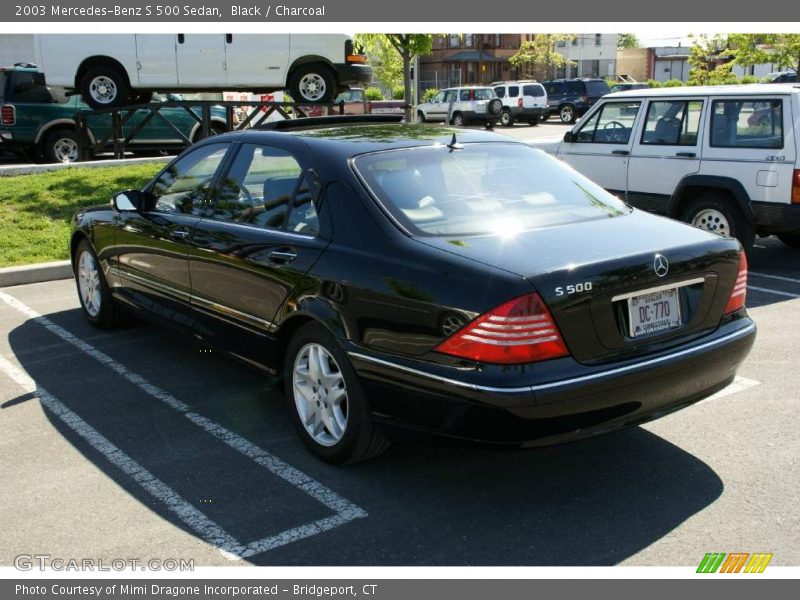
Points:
(522, 101)
(462, 106)
(571, 98)
(726, 158)
(38, 122)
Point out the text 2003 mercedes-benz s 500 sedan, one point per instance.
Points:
(448, 281)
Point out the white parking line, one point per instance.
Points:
(776, 277)
(771, 291)
(193, 518)
(344, 510)
(739, 384)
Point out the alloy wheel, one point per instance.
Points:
(320, 394)
(89, 283)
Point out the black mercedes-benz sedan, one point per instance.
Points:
(414, 276)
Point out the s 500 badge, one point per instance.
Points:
(576, 288)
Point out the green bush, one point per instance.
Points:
(654, 84)
(428, 95)
(749, 79)
(673, 83)
(398, 92)
(373, 93)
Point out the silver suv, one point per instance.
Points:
(462, 106)
(522, 101)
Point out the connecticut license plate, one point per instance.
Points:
(653, 312)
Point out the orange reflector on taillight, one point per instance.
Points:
(517, 332)
(739, 292)
(356, 58)
(796, 187)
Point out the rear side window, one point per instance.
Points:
(575, 88)
(533, 90)
(500, 91)
(30, 87)
(513, 91)
(488, 188)
(747, 123)
(484, 94)
(464, 94)
(672, 123)
(611, 124)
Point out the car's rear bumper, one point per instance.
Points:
(596, 400)
(353, 74)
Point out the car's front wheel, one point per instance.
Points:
(421, 117)
(458, 120)
(98, 306)
(329, 408)
(790, 239)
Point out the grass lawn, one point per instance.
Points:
(35, 209)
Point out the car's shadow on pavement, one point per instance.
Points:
(595, 502)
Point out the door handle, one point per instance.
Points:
(686, 154)
(281, 257)
(620, 152)
(179, 234)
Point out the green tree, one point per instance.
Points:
(384, 59)
(627, 40)
(541, 51)
(782, 49)
(704, 65)
(407, 46)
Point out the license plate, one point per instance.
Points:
(653, 312)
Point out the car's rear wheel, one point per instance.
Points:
(506, 120)
(98, 306)
(61, 146)
(105, 87)
(312, 84)
(567, 113)
(790, 239)
(718, 213)
(329, 408)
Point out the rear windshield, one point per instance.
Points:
(486, 188)
(596, 88)
(533, 90)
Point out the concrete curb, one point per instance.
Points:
(9, 170)
(38, 273)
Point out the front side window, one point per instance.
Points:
(484, 188)
(611, 124)
(747, 123)
(438, 97)
(265, 187)
(184, 185)
(672, 123)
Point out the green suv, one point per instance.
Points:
(38, 122)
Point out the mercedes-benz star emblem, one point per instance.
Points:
(661, 265)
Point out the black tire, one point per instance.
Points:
(489, 124)
(61, 146)
(567, 114)
(120, 96)
(791, 239)
(506, 119)
(421, 117)
(312, 76)
(458, 120)
(108, 314)
(359, 441)
(729, 220)
(544, 117)
(214, 129)
(533, 121)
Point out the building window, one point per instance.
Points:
(497, 40)
(454, 40)
(598, 39)
(468, 40)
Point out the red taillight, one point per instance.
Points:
(519, 103)
(736, 301)
(796, 187)
(519, 331)
(8, 115)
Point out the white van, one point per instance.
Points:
(118, 69)
(723, 158)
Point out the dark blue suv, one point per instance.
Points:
(571, 98)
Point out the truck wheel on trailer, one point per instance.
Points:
(104, 87)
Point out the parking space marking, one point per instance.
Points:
(770, 291)
(776, 277)
(193, 518)
(345, 510)
(739, 384)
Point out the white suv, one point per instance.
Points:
(721, 158)
(461, 106)
(522, 101)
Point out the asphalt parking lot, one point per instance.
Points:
(139, 443)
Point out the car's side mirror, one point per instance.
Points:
(129, 201)
(569, 137)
